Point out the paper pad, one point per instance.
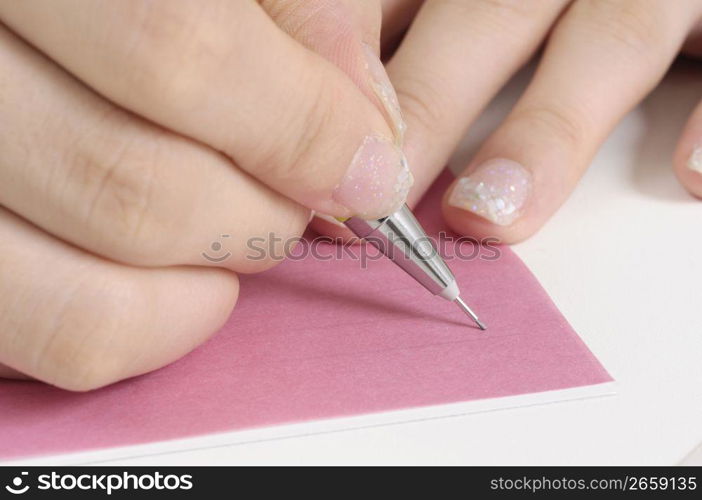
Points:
(315, 339)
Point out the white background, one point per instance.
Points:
(623, 261)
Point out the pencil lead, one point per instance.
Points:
(470, 313)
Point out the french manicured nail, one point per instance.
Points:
(497, 190)
(377, 181)
(380, 82)
(330, 219)
(695, 160)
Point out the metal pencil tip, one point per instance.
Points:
(470, 313)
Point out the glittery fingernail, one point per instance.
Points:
(377, 181)
(695, 160)
(497, 190)
(380, 82)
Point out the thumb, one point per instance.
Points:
(338, 118)
(347, 34)
(226, 75)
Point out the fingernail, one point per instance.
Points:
(330, 219)
(695, 160)
(380, 82)
(497, 190)
(377, 181)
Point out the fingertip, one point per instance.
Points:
(493, 200)
(174, 312)
(469, 224)
(687, 161)
(209, 303)
(689, 172)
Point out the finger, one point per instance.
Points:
(453, 60)
(73, 320)
(434, 74)
(687, 161)
(223, 73)
(601, 60)
(110, 182)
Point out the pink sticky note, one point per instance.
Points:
(315, 339)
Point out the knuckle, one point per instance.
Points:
(635, 25)
(118, 184)
(556, 123)
(295, 157)
(508, 8)
(423, 104)
(498, 9)
(82, 348)
(319, 119)
(508, 17)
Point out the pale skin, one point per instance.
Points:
(134, 133)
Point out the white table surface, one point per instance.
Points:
(623, 261)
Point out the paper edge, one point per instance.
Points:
(315, 427)
(693, 458)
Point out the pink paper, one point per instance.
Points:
(317, 339)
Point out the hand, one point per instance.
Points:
(134, 134)
(601, 58)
